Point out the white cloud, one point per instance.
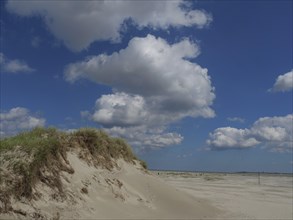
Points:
(274, 129)
(236, 119)
(146, 138)
(13, 66)
(18, 119)
(157, 72)
(79, 23)
(129, 117)
(283, 83)
(227, 137)
(153, 82)
(120, 109)
(274, 133)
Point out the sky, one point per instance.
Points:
(191, 85)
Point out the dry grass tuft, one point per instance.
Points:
(84, 190)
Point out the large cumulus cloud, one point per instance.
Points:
(156, 72)
(154, 84)
(274, 133)
(79, 23)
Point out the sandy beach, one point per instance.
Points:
(90, 175)
(130, 192)
(239, 196)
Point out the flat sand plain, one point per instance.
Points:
(240, 195)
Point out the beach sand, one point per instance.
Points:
(239, 196)
(130, 192)
(126, 192)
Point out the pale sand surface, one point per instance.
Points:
(127, 192)
(240, 196)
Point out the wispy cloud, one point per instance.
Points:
(184, 155)
(14, 66)
(236, 119)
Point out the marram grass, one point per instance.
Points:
(24, 157)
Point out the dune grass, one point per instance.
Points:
(32, 140)
(101, 144)
(25, 156)
(40, 142)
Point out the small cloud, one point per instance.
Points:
(284, 83)
(273, 133)
(146, 138)
(231, 138)
(14, 66)
(18, 119)
(236, 119)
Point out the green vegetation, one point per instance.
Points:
(32, 140)
(100, 144)
(24, 155)
(40, 155)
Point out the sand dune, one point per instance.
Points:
(126, 192)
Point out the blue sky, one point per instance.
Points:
(201, 85)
